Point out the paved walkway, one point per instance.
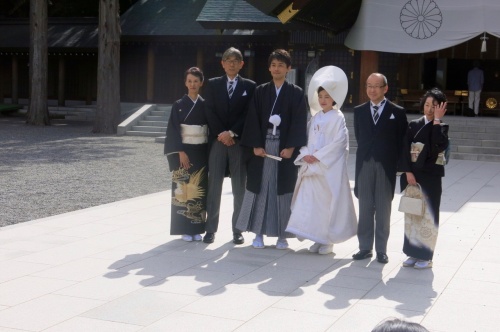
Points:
(116, 268)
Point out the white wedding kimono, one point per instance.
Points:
(322, 205)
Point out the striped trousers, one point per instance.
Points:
(267, 213)
(220, 157)
(375, 194)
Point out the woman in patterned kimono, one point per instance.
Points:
(427, 169)
(187, 154)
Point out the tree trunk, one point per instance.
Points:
(108, 67)
(38, 112)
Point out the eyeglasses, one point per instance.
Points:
(232, 62)
(374, 86)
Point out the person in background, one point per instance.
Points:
(398, 325)
(187, 154)
(275, 127)
(226, 107)
(380, 127)
(475, 81)
(322, 206)
(426, 169)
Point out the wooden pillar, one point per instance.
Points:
(90, 86)
(282, 41)
(61, 98)
(2, 75)
(150, 79)
(369, 65)
(200, 59)
(251, 67)
(15, 80)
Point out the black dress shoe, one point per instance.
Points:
(209, 238)
(382, 258)
(362, 254)
(238, 238)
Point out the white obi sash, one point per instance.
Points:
(194, 134)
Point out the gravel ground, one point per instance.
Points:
(45, 171)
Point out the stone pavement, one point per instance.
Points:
(116, 268)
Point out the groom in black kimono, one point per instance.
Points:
(226, 106)
(270, 183)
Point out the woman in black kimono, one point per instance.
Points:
(425, 166)
(187, 154)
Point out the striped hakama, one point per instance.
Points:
(267, 213)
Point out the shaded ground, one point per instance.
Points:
(46, 171)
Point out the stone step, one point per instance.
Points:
(456, 142)
(160, 139)
(473, 129)
(460, 130)
(153, 123)
(451, 120)
(456, 121)
(151, 129)
(471, 138)
(159, 113)
(474, 142)
(142, 133)
(474, 156)
(476, 136)
(164, 108)
(477, 149)
(155, 118)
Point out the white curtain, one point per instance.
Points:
(420, 26)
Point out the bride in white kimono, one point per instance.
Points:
(322, 205)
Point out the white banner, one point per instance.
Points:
(420, 26)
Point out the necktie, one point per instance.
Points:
(230, 89)
(375, 113)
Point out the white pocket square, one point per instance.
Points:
(392, 117)
(244, 93)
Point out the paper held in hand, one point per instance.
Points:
(273, 157)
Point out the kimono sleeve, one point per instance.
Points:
(297, 135)
(439, 138)
(252, 133)
(173, 139)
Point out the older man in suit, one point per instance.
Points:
(380, 128)
(226, 106)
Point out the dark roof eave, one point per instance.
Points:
(197, 39)
(225, 25)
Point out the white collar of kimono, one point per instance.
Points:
(194, 100)
(323, 116)
(275, 99)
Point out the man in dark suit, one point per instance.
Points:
(226, 106)
(380, 128)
